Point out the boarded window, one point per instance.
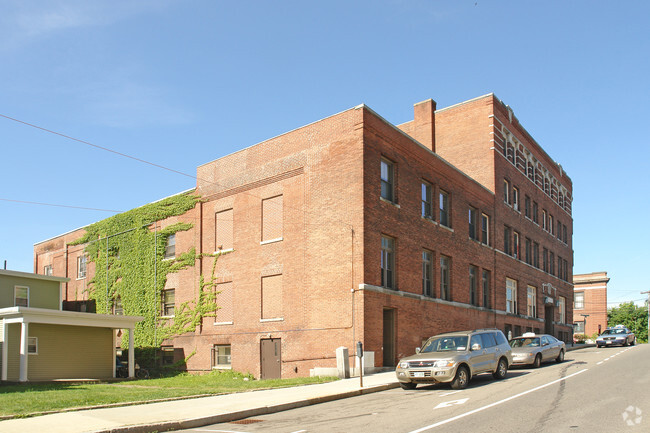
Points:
(272, 297)
(224, 303)
(272, 219)
(224, 230)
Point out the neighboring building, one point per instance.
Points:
(590, 298)
(40, 341)
(354, 229)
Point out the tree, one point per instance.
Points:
(632, 316)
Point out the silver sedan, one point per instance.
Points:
(533, 349)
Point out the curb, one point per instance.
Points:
(234, 416)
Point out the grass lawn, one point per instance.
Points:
(31, 399)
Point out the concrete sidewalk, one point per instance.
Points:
(196, 412)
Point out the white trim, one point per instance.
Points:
(32, 276)
(271, 241)
(35, 344)
(278, 319)
(229, 250)
(223, 323)
(72, 318)
(21, 287)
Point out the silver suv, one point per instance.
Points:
(455, 357)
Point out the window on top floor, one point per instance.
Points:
(579, 300)
(388, 180)
(272, 219)
(473, 223)
(21, 296)
(224, 229)
(443, 201)
(170, 247)
(426, 198)
(81, 266)
(485, 229)
(47, 270)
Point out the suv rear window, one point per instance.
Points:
(501, 339)
(488, 339)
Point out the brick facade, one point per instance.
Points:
(590, 299)
(303, 257)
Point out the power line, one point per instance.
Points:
(59, 205)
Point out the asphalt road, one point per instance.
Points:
(594, 390)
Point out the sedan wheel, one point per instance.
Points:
(560, 357)
(538, 361)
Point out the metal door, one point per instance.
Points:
(271, 354)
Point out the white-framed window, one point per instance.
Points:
(579, 300)
(387, 180)
(506, 191)
(32, 345)
(388, 262)
(427, 205)
(21, 296)
(445, 278)
(485, 229)
(170, 247)
(427, 273)
(47, 270)
(515, 251)
(562, 307)
(515, 198)
(81, 266)
(167, 302)
(532, 301)
(221, 357)
(443, 199)
(473, 223)
(511, 296)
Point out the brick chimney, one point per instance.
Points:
(424, 123)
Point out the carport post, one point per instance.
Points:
(24, 338)
(5, 350)
(131, 354)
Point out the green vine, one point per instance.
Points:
(128, 253)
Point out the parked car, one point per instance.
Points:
(455, 357)
(618, 335)
(533, 349)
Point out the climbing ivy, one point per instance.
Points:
(128, 252)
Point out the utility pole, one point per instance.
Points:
(647, 292)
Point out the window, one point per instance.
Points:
(427, 273)
(544, 221)
(485, 283)
(579, 327)
(427, 205)
(485, 229)
(272, 305)
(473, 285)
(224, 299)
(559, 230)
(527, 207)
(445, 270)
(387, 262)
(444, 208)
(536, 255)
(535, 212)
(529, 251)
(118, 309)
(532, 301)
(473, 228)
(515, 245)
(565, 238)
(47, 270)
(32, 345)
(21, 296)
(506, 191)
(511, 296)
(545, 260)
(507, 240)
(515, 198)
(387, 180)
(221, 356)
(560, 272)
(551, 263)
(551, 227)
(81, 267)
(561, 303)
(167, 302)
(579, 300)
(167, 355)
(170, 247)
(272, 211)
(224, 230)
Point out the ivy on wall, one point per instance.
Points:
(128, 251)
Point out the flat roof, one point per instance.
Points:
(33, 276)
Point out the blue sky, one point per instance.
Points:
(181, 83)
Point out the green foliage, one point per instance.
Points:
(632, 316)
(128, 252)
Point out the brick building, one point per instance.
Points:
(354, 229)
(590, 298)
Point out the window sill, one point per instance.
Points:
(222, 367)
(271, 241)
(223, 323)
(229, 250)
(392, 203)
(446, 227)
(278, 319)
(80, 278)
(166, 317)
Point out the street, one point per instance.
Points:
(594, 390)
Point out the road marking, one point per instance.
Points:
(451, 403)
(449, 393)
(471, 412)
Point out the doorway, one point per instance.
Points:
(389, 337)
(271, 358)
(549, 312)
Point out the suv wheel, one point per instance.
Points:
(502, 369)
(462, 378)
(408, 385)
